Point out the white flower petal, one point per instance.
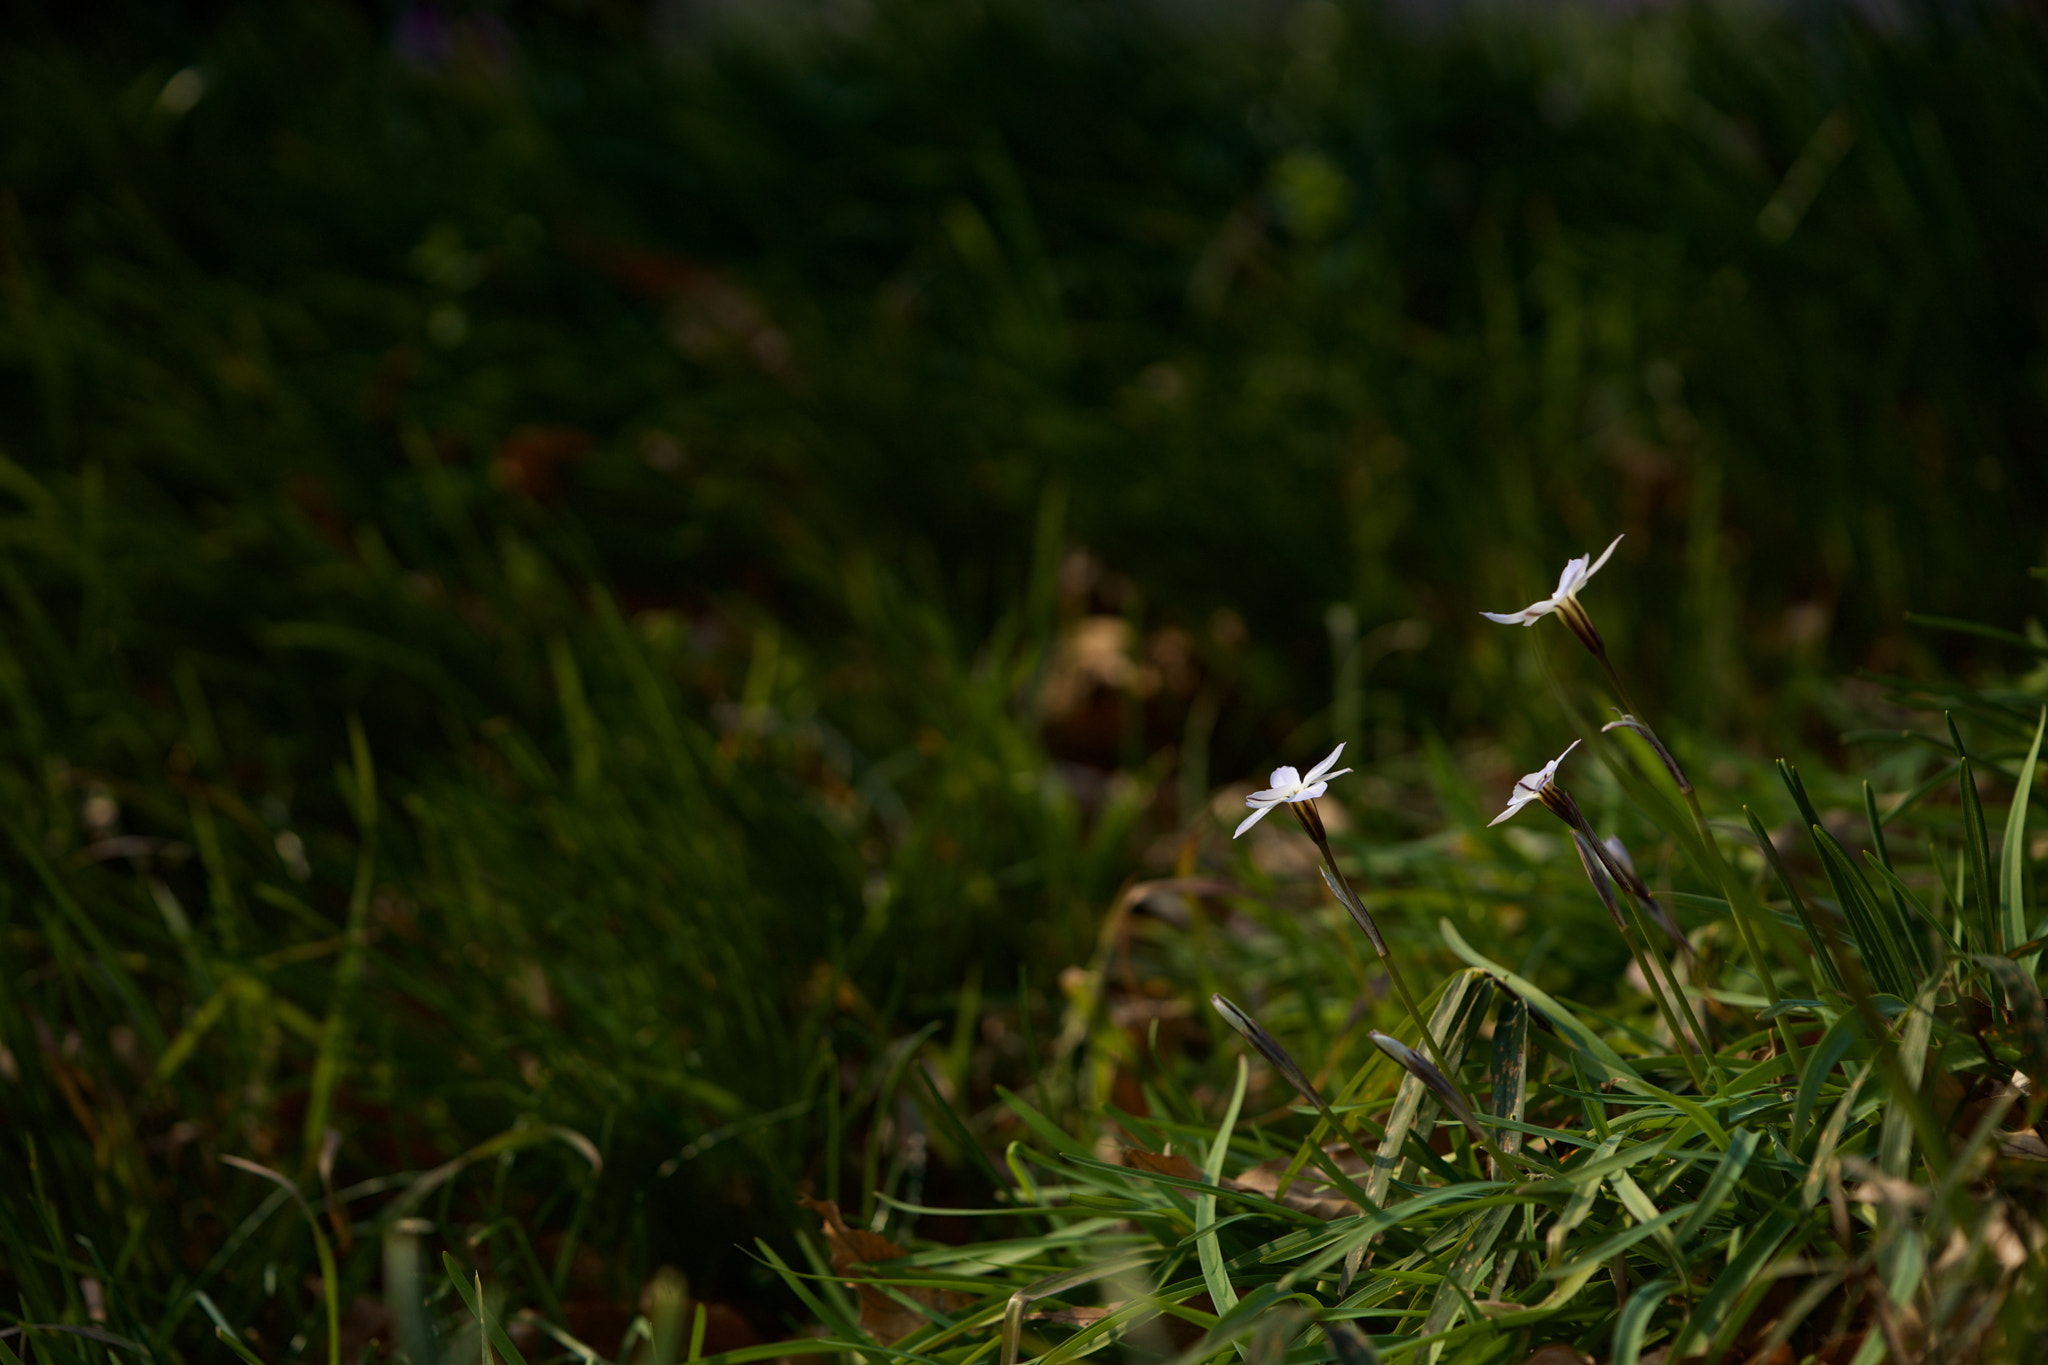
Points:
(1515, 803)
(1527, 616)
(1251, 820)
(1285, 780)
(1324, 766)
(1311, 793)
(1604, 554)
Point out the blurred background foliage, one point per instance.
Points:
(804, 504)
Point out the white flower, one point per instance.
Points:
(1289, 785)
(1532, 787)
(1565, 601)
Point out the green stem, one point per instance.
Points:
(1692, 1019)
(1718, 869)
(1415, 1013)
(1724, 876)
(1685, 1054)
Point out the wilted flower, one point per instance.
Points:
(1596, 873)
(1623, 869)
(1541, 785)
(1290, 786)
(1565, 601)
(1426, 1071)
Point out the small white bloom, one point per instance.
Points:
(1289, 785)
(1531, 787)
(1565, 600)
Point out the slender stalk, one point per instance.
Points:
(1311, 822)
(1692, 1020)
(1692, 1064)
(1717, 866)
(1415, 1013)
(1724, 876)
(1621, 695)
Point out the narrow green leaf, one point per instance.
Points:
(1730, 1283)
(1873, 929)
(1592, 1259)
(1916, 950)
(472, 1295)
(1912, 903)
(1635, 1319)
(1742, 1145)
(1460, 1283)
(1048, 1132)
(234, 1343)
(1821, 953)
(2012, 862)
(1820, 1062)
(1208, 1246)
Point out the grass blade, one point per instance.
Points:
(1208, 1245)
(2012, 861)
(1975, 845)
(1635, 1319)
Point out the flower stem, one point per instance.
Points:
(1621, 695)
(1641, 953)
(1718, 869)
(1312, 824)
(1717, 866)
(1415, 1013)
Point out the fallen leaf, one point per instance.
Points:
(882, 1316)
(1170, 1163)
(1311, 1192)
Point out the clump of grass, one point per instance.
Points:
(1823, 1142)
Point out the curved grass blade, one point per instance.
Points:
(1821, 954)
(2012, 861)
(1635, 1319)
(1881, 951)
(1208, 1246)
(471, 1291)
(1834, 1045)
(1742, 1145)
(330, 1277)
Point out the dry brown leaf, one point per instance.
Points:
(1311, 1192)
(881, 1315)
(1168, 1163)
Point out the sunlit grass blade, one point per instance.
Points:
(1876, 936)
(2012, 862)
(1821, 953)
(1208, 1248)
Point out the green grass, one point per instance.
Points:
(534, 602)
